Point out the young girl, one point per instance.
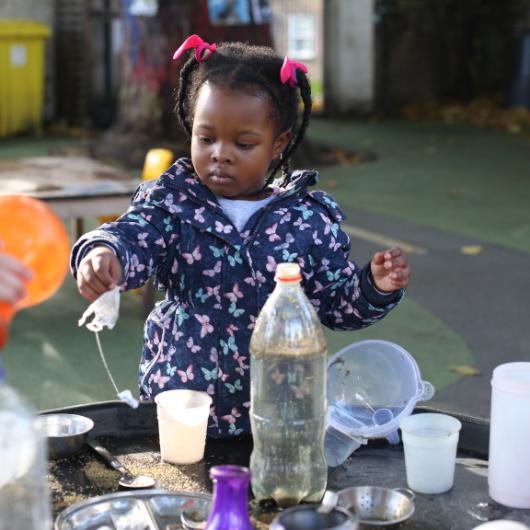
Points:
(212, 229)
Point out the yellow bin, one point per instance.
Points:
(21, 75)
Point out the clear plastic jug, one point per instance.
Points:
(372, 386)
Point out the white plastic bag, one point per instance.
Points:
(106, 310)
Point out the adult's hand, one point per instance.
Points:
(13, 277)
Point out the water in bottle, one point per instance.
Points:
(288, 396)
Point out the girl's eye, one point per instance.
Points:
(205, 140)
(244, 145)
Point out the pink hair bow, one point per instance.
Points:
(288, 71)
(194, 41)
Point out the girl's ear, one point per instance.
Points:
(280, 143)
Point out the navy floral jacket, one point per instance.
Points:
(216, 280)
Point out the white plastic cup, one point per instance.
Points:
(509, 449)
(182, 421)
(430, 441)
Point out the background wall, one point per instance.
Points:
(349, 55)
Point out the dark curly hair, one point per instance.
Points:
(247, 68)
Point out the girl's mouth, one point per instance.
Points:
(220, 177)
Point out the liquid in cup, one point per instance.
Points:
(430, 442)
(182, 421)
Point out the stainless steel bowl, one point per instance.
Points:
(146, 509)
(66, 433)
(307, 517)
(376, 506)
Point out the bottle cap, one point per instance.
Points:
(288, 272)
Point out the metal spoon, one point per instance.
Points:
(127, 480)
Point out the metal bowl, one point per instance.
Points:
(146, 509)
(376, 506)
(66, 433)
(308, 517)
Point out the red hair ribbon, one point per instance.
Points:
(288, 71)
(194, 41)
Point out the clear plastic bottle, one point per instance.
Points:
(24, 493)
(288, 396)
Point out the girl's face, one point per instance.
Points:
(233, 141)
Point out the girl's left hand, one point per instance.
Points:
(390, 269)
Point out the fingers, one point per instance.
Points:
(15, 267)
(88, 283)
(394, 263)
(391, 269)
(393, 252)
(379, 258)
(400, 277)
(13, 277)
(101, 266)
(393, 256)
(86, 290)
(12, 288)
(99, 272)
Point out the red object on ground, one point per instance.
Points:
(32, 232)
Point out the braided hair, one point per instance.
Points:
(247, 68)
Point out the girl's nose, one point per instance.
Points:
(222, 154)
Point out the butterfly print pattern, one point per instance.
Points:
(216, 280)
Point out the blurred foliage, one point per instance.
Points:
(480, 112)
(445, 49)
(317, 93)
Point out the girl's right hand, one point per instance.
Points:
(98, 272)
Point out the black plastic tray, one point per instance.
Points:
(132, 436)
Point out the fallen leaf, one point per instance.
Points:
(462, 369)
(471, 250)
